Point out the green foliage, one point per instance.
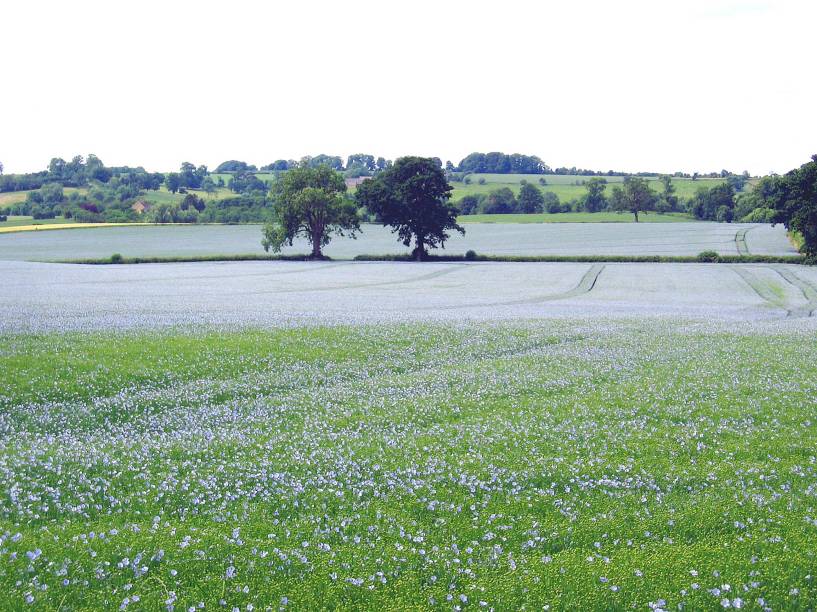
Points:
(714, 204)
(413, 198)
(246, 182)
(595, 200)
(173, 182)
(709, 257)
(500, 163)
(254, 207)
(233, 165)
(470, 204)
(794, 199)
(500, 201)
(530, 199)
(192, 202)
(308, 202)
(635, 196)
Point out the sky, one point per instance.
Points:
(659, 85)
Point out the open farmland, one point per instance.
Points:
(38, 296)
(573, 463)
(484, 238)
(568, 187)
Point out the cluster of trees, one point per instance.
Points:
(501, 163)
(411, 196)
(356, 165)
(793, 198)
(531, 199)
(110, 202)
(188, 177)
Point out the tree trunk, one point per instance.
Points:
(419, 250)
(635, 212)
(316, 244)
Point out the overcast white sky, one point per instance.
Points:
(629, 85)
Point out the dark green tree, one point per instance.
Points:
(530, 199)
(309, 202)
(173, 182)
(668, 201)
(500, 201)
(412, 197)
(208, 186)
(793, 197)
(595, 200)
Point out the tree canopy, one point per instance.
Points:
(793, 197)
(412, 197)
(234, 165)
(595, 200)
(635, 196)
(500, 163)
(309, 202)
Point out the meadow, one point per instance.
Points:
(560, 464)
(8, 198)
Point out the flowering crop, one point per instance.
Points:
(481, 464)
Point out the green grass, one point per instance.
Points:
(163, 196)
(15, 197)
(396, 467)
(567, 187)
(16, 221)
(581, 217)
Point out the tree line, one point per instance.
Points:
(720, 203)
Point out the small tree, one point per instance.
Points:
(635, 197)
(595, 200)
(413, 198)
(530, 199)
(309, 203)
(173, 182)
(500, 201)
(208, 186)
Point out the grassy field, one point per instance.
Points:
(163, 196)
(567, 187)
(14, 197)
(22, 220)
(602, 217)
(566, 465)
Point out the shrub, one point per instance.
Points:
(709, 257)
(116, 258)
(759, 215)
(542, 181)
(470, 255)
(467, 180)
(481, 180)
(3, 218)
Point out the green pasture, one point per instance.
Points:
(567, 187)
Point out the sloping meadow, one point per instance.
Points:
(567, 464)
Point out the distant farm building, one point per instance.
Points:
(354, 182)
(140, 206)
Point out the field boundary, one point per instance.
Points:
(406, 258)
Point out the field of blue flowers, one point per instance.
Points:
(556, 465)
